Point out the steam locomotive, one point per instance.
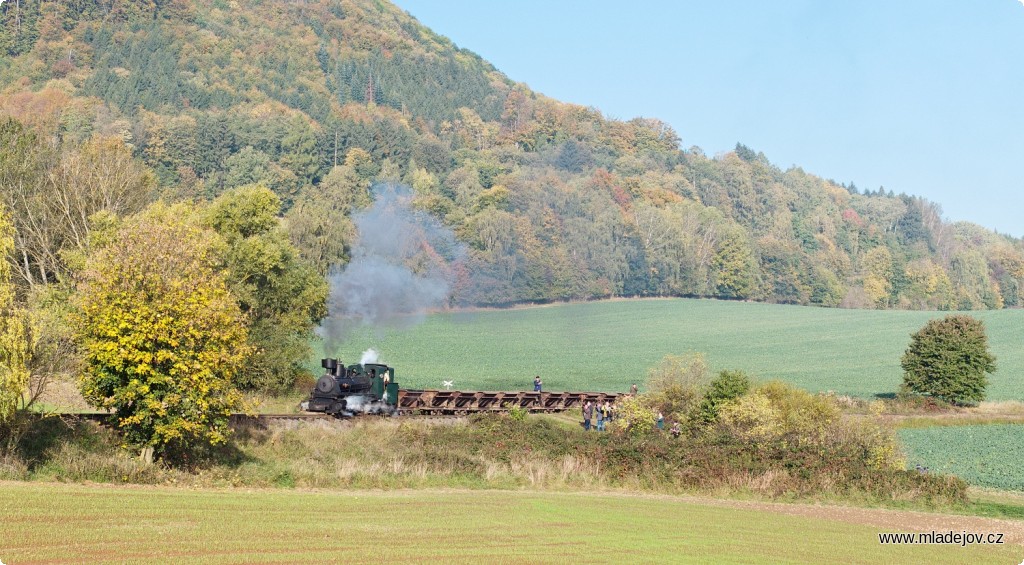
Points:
(357, 389)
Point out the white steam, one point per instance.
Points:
(369, 356)
(365, 405)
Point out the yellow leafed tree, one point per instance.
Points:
(162, 337)
(15, 337)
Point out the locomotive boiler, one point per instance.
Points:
(356, 389)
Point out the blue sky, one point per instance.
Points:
(919, 97)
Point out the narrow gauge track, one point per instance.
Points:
(265, 419)
(462, 403)
(434, 404)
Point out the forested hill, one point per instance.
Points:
(317, 99)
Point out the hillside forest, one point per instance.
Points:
(317, 100)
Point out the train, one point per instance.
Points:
(371, 388)
(343, 391)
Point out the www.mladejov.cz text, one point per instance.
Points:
(962, 538)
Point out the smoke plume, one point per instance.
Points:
(399, 269)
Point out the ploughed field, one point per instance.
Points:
(64, 523)
(606, 346)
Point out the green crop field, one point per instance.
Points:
(95, 524)
(984, 455)
(608, 345)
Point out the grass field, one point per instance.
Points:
(983, 455)
(608, 345)
(74, 523)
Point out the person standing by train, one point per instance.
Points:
(600, 417)
(588, 412)
(633, 390)
(537, 384)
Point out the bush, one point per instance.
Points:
(752, 419)
(726, 387)
(781, 414)
(676, 386)
(634, 417)
(949, 359)
(496, 451)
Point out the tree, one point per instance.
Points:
(969, 274)
(725, 388)
(248, 166)
(878, 273)
(162, 337)
(53, 195)
(319, 224)
(949, 359)
(734, 266)
(675, 386)
(281, 295)
(15, 341)
(299, 150)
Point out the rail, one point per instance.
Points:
(455, 402)
(438, 403)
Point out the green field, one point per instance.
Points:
(983, 455)
(608, 345)
(95, 524)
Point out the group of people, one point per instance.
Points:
(605, 411)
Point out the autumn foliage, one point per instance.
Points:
(15, 338)
(162, 337)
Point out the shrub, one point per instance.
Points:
(949, 359)
(752, 418)
(726, 387)
(634, 417)
(496, 451)
(675, 387)
(777, 412)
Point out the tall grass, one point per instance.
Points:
(493, 452)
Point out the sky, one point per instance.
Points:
(922, 97)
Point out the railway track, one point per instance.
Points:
(433, 404)
(237, 419)
(454, 402)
